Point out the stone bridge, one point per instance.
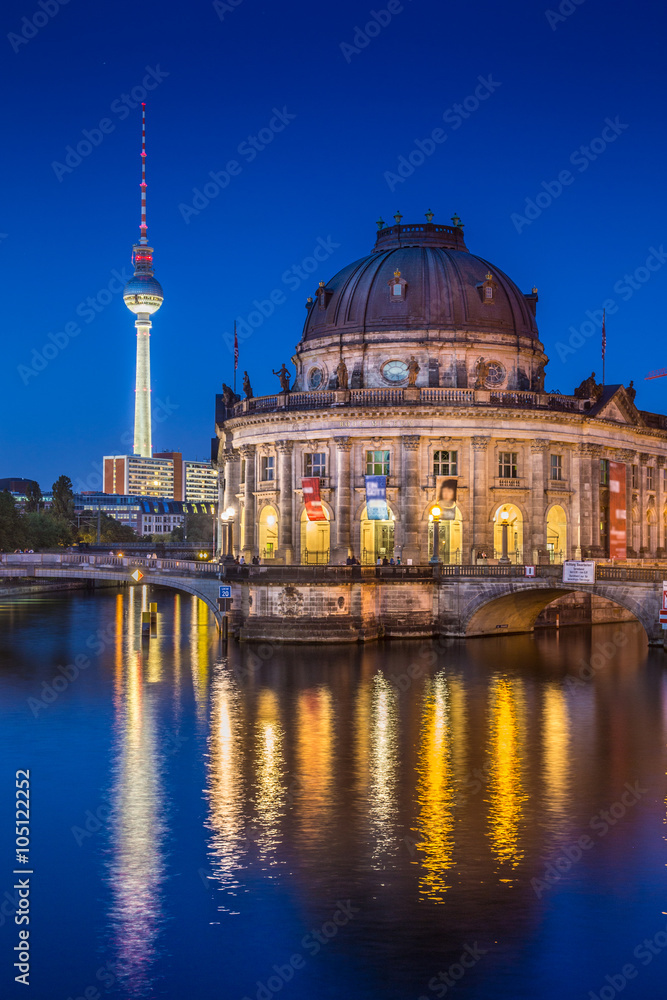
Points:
(352, 604)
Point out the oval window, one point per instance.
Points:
(315, 378)
(496, 374)
(395, 371)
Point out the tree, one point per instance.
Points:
(46, 531)
(199, 529)
(34, 497)
(12, 532)
(111, 530)
(63, 499)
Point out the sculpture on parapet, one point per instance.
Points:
(228, 395)
(482, 374)
(284, 377)
(413, 371)
(341, 374)
(247, 388)
(631, 391)
(589, 389)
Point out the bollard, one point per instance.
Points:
(145, 624)
(153, 612)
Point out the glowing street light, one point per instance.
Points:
(435, 515)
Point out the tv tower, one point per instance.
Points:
(143, 296)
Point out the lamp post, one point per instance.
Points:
(504, 525)
(435, 514)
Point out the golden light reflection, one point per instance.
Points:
(200, 635)
(382, 793)
(314, 752)
(556, 764)
(270, 792)
(226, 783)
(137, 831)
(506, 785)
(435, 791)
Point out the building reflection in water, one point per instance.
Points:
(226, 790)
(383, 769)
(506, 786)
(270, 788)
(137, 828)
(314, 753)
(200, 639)
(556, 761)
(435, 791)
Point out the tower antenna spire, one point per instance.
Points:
(143, 227)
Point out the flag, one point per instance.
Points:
(236, 348)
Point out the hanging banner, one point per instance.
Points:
(445, 497)
(311, 496)
(617, 511)
(376, 498)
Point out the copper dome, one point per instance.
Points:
(443, 290)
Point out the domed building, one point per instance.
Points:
(417, 427)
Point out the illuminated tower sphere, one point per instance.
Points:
(143, 296)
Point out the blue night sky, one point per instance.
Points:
(343, 115)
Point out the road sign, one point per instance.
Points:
(530, 570)
(662, 617)
(664, 595)
(225, 592)
(137, 575)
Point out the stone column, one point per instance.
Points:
(414, 547)
(643, 506)
(535, 538)
(597, 543)
(285, 502)
(630, 459)
(659, 504)
(583, 461)
(232, 472)
(480, 534)
(248, 543)
(341, 541)
(574, 524)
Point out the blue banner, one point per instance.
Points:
(376, 498)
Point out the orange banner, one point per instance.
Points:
(311, 495)
(618, 545)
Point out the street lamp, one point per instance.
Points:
(435, 515)
(504, 525)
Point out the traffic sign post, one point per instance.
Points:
(224, 591)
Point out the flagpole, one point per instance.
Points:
(236, 354)
(604, 345)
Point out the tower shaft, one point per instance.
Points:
(143, 444)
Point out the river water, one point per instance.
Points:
(399, 820)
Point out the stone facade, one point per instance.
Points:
(442, 376)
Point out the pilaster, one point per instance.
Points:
(248, 544)
(285, 451)
(341, 541)
(413, 547)
(480, 536)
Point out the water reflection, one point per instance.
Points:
(383, 770)
(270, 792)
(435, 791)
(314, 737)
(506, 786)
(136, 868)
(226, 784)
(556, 760)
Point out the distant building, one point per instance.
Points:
(147, 515)
(134, 475)
(200, 482)
(17, 485)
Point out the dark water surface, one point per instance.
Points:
(336, 822)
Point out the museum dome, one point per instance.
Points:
(420, 277)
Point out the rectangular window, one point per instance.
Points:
(315, 464)
(397, 289)
(377, 463)
(650, 478)
(604, 472)
(635, 477)
(445, 463)
(507, 464)
(243, 470)
(267, 468)
(556, 466)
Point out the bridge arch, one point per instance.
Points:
(514, 606)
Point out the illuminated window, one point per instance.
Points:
(556, 466)
(604, 472)
(315, 464)
(445, 463)
(267, 468)
(377, 463)
(507, 464)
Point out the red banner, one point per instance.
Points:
(617, 511)
(311, 495)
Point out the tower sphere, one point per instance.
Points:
(143, 294)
